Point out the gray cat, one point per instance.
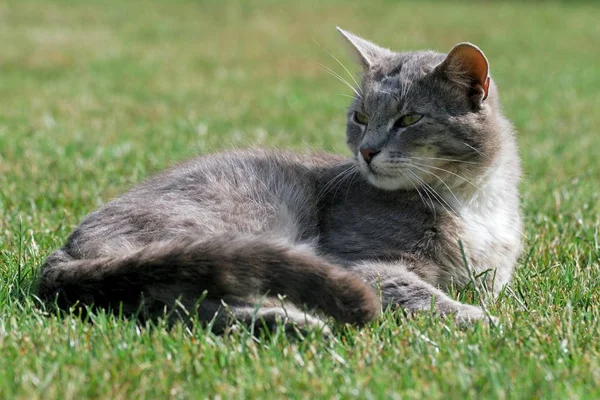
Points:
(258, 237)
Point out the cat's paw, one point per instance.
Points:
(294, 322)
(305, 326)
(467, 314)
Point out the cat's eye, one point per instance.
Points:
(360, 118)
(408, 120)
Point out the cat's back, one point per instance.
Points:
(245, 191)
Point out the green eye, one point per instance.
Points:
(361, 118)
(409, 119)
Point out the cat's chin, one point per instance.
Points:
(388, 182)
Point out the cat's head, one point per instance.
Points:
(422, 117)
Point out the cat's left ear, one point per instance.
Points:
(368, 53)
(467, 66)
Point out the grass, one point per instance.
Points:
(95, 96)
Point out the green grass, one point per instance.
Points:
(97, 95)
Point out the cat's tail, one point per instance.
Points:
(220, 267)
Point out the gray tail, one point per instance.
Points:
(160, 274)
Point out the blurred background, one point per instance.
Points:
(95, 95)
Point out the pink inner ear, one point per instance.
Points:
(466, 59)
(475, 61)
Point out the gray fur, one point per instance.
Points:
(319, 229)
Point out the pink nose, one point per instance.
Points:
(368, 153)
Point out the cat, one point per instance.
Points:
(428, 200)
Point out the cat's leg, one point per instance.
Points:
(401, 288)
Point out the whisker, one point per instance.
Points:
(342, 64)
(426, 187)
(475, 150)
(441, 180)
(341, 79)
(352, 180)
(449, 172)
(345, 95)
(340, 177)
(447, 207)
(341, 182)
(420, 181)
(329, 183)
(409, 179)
(335, 180)
(445, 159)
(439, 197)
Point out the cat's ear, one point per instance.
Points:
(368, 53)
(467, 66)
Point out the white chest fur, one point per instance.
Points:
(490, 230)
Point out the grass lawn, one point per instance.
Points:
(97, 95)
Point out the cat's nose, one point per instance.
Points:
(368, 153)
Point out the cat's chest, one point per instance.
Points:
(359, 226)
(491, 240)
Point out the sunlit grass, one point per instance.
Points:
(95, 96)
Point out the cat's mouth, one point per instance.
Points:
(397, 175)
(382, 175)
(383, 170)
(374, 173)
(386, 180)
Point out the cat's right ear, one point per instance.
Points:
(368, 53)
